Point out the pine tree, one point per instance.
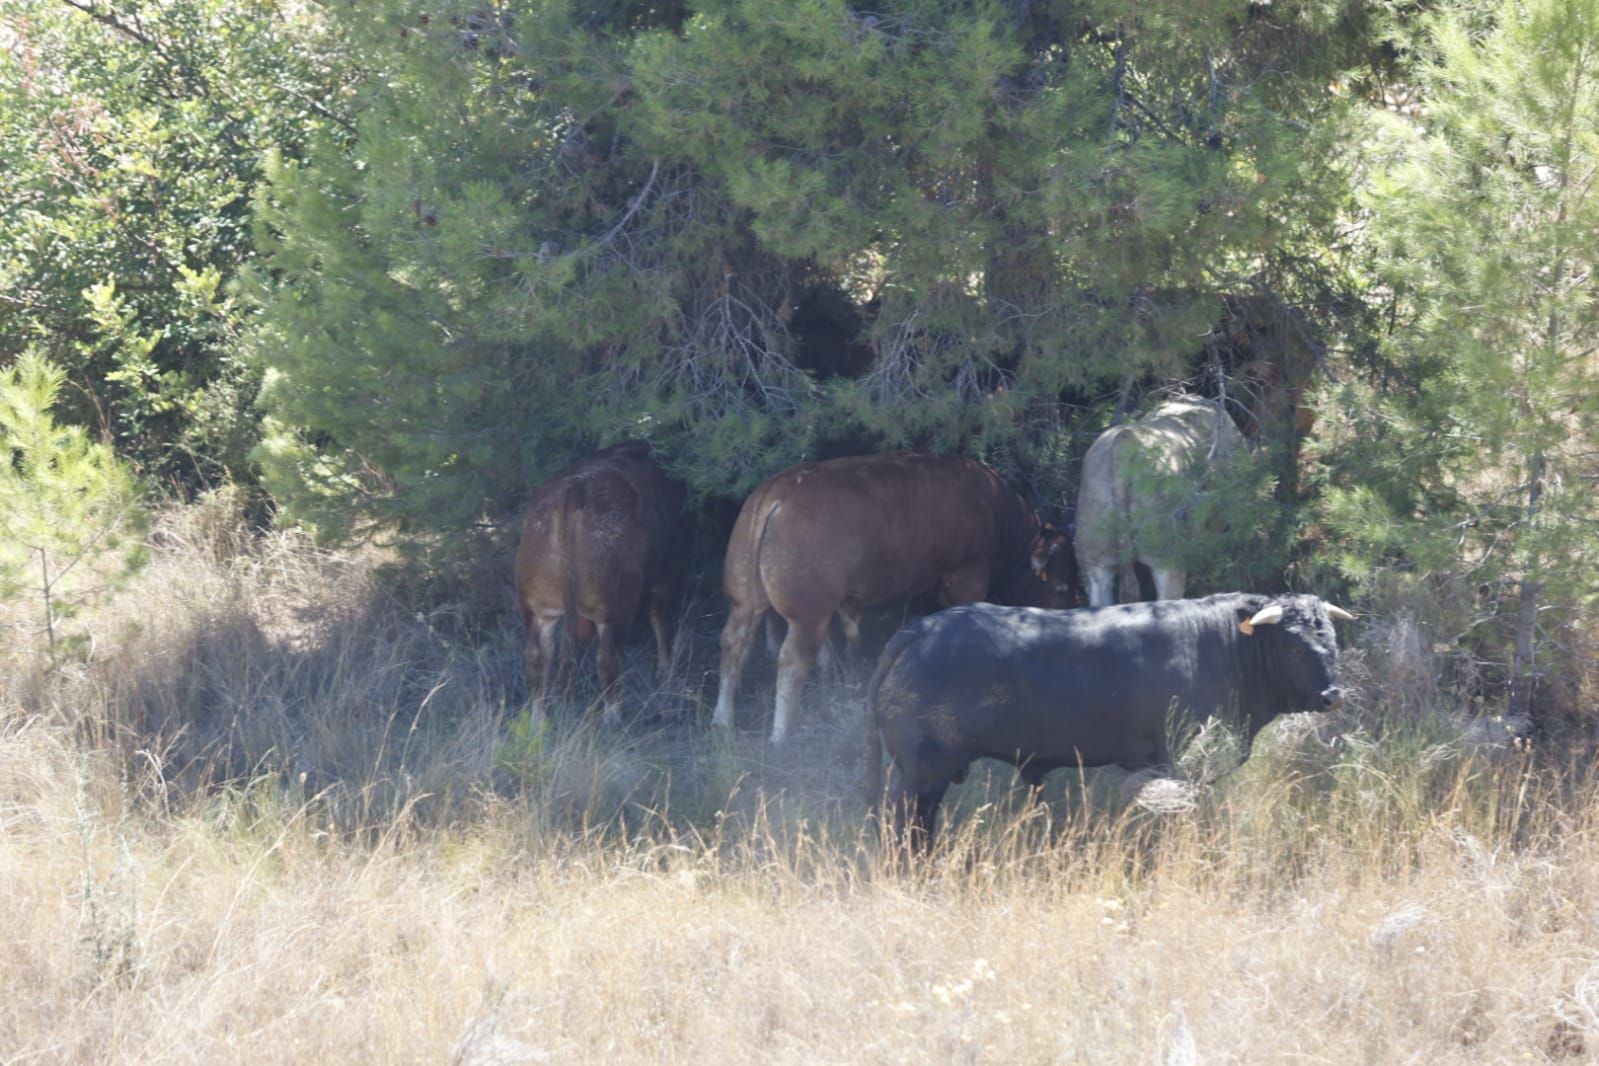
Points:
(1483, 215)
(67, 506)
(747, 230)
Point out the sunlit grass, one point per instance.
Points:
(279, 817)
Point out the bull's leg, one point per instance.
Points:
(927, 804)
(609, 664)
(910, 804)
(915, 816)
(897, 806)
(1163, 757)
(1101, 585)
(804, 641)
(1169, 582)
(737, 636)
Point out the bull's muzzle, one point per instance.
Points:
(1332, 698)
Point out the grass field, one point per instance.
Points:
(279, 815)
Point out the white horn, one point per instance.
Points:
(1269, 615)
(1337, 612)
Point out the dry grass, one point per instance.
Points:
(282, 818)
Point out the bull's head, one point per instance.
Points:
(1308, 653)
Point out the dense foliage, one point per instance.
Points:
(401, 259)
(1474, 448)
(752, 232)
(132, 132)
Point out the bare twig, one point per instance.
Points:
(633, 208)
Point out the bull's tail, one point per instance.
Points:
(874, 733)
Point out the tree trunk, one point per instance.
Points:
(49, 608)
(1523, 673)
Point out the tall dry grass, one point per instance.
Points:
(281, 815)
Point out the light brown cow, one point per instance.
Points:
(843, 535)
(598, 535)
(1138, 481)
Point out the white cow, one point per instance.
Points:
(1138, 482)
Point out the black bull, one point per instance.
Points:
(1046, 689)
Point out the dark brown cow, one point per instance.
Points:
(598, 534)
(846, 534)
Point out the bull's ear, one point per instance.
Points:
(1268, 615)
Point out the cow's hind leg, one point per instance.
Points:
(609, 665)
(800, 648)
(566, 637)
(737, 637)
(661, 623)
(1169, 582)
(1101, 585)
(1128, 589)
(533, 659)
(850, 620)
(537, 656)
(829, 660)
(775, 631)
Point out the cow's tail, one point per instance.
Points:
(751, 587)
(1122, 507)
(763, 519)
(874, 733)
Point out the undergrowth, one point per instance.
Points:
(277, 812)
